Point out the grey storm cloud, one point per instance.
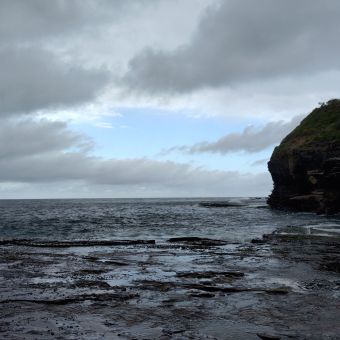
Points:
(35, 79)
(34, 75)
(28, 138)
(38, 19)
(33, 19)
(238, 41)
(48, 152)
(177, 177)
(251, 139)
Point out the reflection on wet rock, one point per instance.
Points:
(167, 269)
(267, 290)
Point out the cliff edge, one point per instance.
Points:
(305, 167)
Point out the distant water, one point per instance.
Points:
(159, 219)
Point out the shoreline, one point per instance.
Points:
(280, 286)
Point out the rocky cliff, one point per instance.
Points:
(305, 167)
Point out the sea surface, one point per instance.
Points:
(167, 269)
(158, 219)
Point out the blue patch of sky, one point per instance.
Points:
(145, 132)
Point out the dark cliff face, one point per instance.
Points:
(305, 167)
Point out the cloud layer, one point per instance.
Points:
(48, 152)
(28, 138)
(35, 79)
(241, 41)
(251, 139)
(33, 20)
(238, 58)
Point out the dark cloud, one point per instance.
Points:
(251, 139)
(28, 138)
(241, 41)
(32, 20)
(34, 38)
(34, 79)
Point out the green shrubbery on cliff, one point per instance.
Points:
(322, 125)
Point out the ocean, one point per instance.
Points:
(159, 219)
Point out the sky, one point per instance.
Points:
(157, 98)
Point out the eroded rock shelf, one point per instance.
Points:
(283, 286)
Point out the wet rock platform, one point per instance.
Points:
(285, 285)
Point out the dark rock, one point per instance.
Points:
(156, 285)
(75, 299)
(257, 241)
(305, 167)
(209, 274)
(92, 271)
(220, 204)
(268, 337)
(202, 295)
(75, 243)
(224, 289)
(331, 266)
(197, 241)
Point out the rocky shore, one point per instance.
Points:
(283, 286)
(305, 167)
